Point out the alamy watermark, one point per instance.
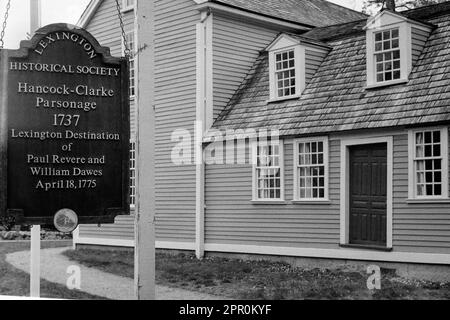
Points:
(230, 147)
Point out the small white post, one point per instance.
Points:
(35, 263)
(35, 266)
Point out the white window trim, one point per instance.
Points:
(299, 58)
(126, 8)
(345, 184)
(412, 196)
(255, 199)
(405, 45)
(133, 141)
(296, 198)
(135, 59)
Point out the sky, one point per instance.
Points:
(68, 11)
(53, 11)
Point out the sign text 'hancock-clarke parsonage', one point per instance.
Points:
(66, 105)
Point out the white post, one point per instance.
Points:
(145, 192)
(35, 263)
(35, 15)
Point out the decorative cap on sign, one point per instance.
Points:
(66, 220)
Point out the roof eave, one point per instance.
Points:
(88, 13)
(398, 15)
(240, 12)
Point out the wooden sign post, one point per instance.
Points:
(145, 225)
(35, 250)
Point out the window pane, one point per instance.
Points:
(437, 150)
(436, 136)
(396, 54)
(395, 33)
(437, 189)
(428, 137)
(420, 190)
(378, 36)
(395, 43)
(419, 138)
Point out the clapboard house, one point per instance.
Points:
(359, 169)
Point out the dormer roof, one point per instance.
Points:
(289, 39)
(387, 17)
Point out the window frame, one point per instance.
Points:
(326, 164)
(412, 172)
(255, 199)
(126, 7)
(405, 47)
(133, 167)
(133, 59)
(299, 65)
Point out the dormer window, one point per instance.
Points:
(285, 73)
(293, 61)
(393, 44)
(387, 55)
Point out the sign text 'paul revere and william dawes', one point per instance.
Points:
(64, 130)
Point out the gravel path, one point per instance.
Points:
(54, 268)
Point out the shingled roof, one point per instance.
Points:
(337, 99)
(314, 13)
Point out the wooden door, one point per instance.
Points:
(368, 194)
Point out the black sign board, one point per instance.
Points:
(64, 129)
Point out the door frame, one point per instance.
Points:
(345, 185)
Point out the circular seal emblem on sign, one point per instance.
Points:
(65, 220)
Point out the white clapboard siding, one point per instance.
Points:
(418, 37)
(175, 105)
(105, 27)
(231, 218)
(236, 45)
(313, 60)
(417, 227)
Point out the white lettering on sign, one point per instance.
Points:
(58, 68)
(65, 36)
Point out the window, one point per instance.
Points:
(287, 76)
(131, 45)
(311, 169)
(132, 174)
(429, 164)
(285, 73)
(127, 5)
(268, 171)
(387, 55)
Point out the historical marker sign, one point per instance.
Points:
(66, 105)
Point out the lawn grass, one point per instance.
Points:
(265, 280)
(14, 282)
